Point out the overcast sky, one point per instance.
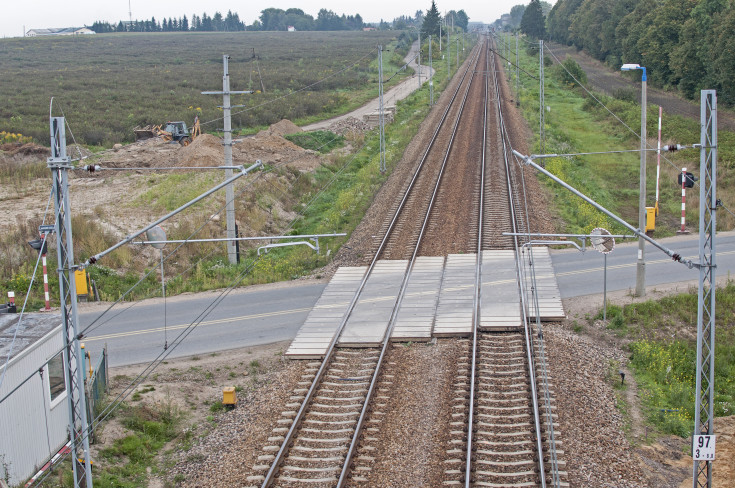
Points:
(40, 14)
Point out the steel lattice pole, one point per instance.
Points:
(59, 164)
(704, 413)
(381, 118)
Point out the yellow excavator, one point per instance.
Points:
(173, 131)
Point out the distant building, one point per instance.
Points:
(63, 31)
(34, 419)
(291, 28)
(366, 29)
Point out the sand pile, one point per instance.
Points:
(282, 128)
(205, 150)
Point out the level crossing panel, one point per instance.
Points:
(312, 340)
(500, 300)
(415, 318)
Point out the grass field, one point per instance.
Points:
(333, 198)
(108, 84)
(576, 123)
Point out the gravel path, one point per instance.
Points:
(390, 97)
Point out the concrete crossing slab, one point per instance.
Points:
(415, 318)
(368, 323)
(312, 340)
(500, 301)
(456, 298)
(438, 301)
(547, 289)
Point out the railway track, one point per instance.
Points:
(336, 398)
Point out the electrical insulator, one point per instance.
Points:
(673, 147)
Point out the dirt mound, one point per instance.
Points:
(274, 149)
(29, 149)
(282, 128)
(205, 150)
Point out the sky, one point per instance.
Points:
(41, 14)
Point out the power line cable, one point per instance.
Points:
(619, 119)
(28, 293)
(294, 92)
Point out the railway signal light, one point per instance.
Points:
(690, 179)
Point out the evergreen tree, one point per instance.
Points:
(431, 21)
(185, 24)
(533, 22)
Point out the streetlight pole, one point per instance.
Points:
(640, 277)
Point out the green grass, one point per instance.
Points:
(663, 354)
(126, 462)
(576, 123)
(323, 141)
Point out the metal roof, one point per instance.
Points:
(33, 328)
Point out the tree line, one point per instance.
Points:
(271, 19)
(687, 45)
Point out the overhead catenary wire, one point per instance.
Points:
(28, 293)
(94, 325)
(110, 408)
(671, 163)
(267, 102)
(185, 333)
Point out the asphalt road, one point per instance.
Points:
(581, 273)
(136, 334)
(243, 318)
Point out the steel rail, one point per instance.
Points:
(288, 438)
(478, 281)
(404, 283)
(519, 273)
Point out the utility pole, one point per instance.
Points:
(518, 91)
(705, 395)
(542, 101)
(381, 116)
(229, 190)
(449, 55)
(431, 76)
(640, 277)
(60, 164)
(419, 58)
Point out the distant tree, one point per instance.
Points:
(184, 24)
(196, 22)
(462, 20)
(120, 27)
(206, 24)
(218, 22)
(431, 21)
(532, 22)
(102, 27)
(326, 20)
(273, 19)
(516, 14)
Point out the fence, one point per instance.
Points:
(97, 386)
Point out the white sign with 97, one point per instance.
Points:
(703, 447)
